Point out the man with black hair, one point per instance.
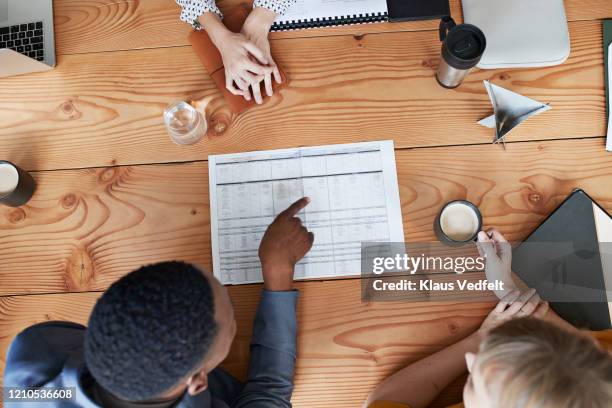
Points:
(157, 335)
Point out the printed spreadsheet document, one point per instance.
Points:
(354, 199)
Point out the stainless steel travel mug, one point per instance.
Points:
(462, 48)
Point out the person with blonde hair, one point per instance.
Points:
(523, 356)
(531, 363)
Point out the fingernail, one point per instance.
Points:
(307, 199)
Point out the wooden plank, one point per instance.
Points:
(84, 26)
(90, 226)
(85, 228)
(343, 351)
(587, 9)
(106, 108)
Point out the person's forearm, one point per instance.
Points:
(518, 282)
(420, 383)
(551, 316)
(214, 27)
(510, 282)
(273, 352)
(279, 276)
(260, 19)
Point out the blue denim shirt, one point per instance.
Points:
(51, 355)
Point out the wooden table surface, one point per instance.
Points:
(115, 193)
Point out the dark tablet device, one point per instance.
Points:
(568, 260)
(407, 10)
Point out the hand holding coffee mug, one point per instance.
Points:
(16, 185)
(462, 48)
(458, 223)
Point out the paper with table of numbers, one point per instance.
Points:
(355, 199)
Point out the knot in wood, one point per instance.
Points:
(16, 216)
(535, 198)
(108, 175)
(69, 201)
(79, 270)
(67, 107)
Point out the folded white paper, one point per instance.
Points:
(510, 110)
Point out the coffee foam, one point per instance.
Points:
(9, 178)
(459, 222)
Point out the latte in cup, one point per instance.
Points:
(9, 179)
(458, 222)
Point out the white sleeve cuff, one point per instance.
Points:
(192, 9)
(277, 6)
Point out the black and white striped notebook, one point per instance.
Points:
(326, 13)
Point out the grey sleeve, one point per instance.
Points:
(273, 353)
(38, 354)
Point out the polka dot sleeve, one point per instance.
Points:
(192, 9)
(277, 6)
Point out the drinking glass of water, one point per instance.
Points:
(184, 123)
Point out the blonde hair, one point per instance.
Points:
(529, 363)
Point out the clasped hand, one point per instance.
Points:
(247, 58)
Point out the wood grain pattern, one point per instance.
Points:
(109, 25)
(84, 26)
(85, 228)
(88, 226)
(104, 109)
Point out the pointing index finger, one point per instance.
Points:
(296, 207)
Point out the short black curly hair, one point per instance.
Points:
(150, 329)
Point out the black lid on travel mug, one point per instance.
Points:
(463, 44)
